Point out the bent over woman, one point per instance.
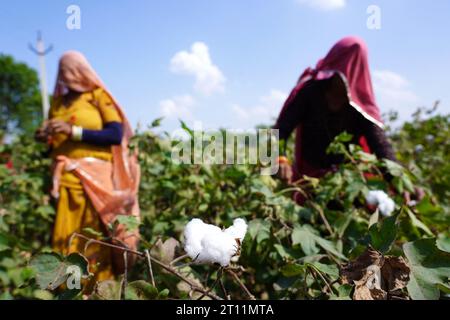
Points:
(334, 97)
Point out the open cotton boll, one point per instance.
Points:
(386, 207)
(379, 198)
(205, 243)
(430, 138)
(238, 230)
(373, 198)
(194, 233)
(412, 203)
(218, 248)
(419, 148)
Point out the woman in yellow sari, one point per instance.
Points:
(88, 134)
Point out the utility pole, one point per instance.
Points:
(41, 52)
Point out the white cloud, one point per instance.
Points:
(239, 112)
(390, 78)
(178, 107)
(324, 4)
(209, 78)
(268, 108)
(394, 93)
(275, 99)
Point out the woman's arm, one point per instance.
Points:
(290, 117)
(380, 145)
(111, 134)
(292, 113)
(378, 141)
(112, 131)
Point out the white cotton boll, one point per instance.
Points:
(375, 197)
(193, 238)
(386, 207)
(218, 248)
(430, 138)
(372, 198)
(208, 244)
(419, 148)
(412, 203)
(238, 230)
(379, 198)
(194, 233)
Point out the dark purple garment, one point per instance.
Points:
(320, 127)
(110, 135)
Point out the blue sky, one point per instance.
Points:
(231, 63)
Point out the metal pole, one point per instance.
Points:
(41, 52)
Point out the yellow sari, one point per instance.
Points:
(75, 212)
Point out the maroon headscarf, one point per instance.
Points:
(349, 59)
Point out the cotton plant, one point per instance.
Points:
(430, 138)
(208, 244)
(382, 201)
(419, 148)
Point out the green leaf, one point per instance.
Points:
(259, 230)
(302, 236)
(343, 223)
(131, 223)
(4, 247)
(162, 295)
(185, 127)
(92, 232)
(417, 223)
(374, 218)
(407, 183)
(140, 290)
(307, 238)
(43, 295)
(344, 137)
(329, 247)
(430, 269)
(426, 207)
(6, 296)
(443, 243)
(156, 123)
(344, 292)
(108, 290)
(260, 188)
(383, 234)
(354, 189)
(69, 294)
(165, 251)
(282, 252)
(331, 270)
(293, 270)
(393, 168)
(366, 157)
(4, 242)
(51, 269)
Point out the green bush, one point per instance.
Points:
(290, 251)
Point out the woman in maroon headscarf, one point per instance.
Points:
(335, 97)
